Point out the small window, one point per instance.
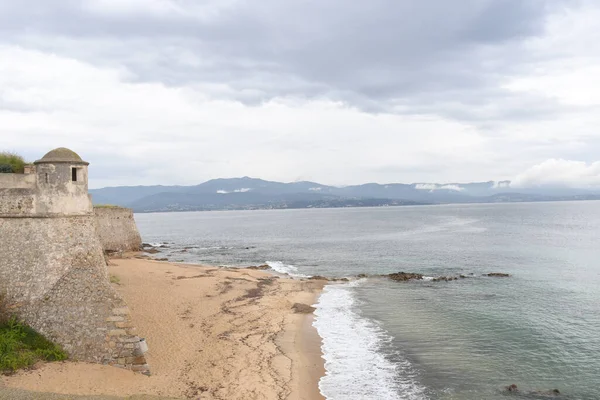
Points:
(74, 174)
(47, 180)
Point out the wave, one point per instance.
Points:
(355, 365)
(287, 269)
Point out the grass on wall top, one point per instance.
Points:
(11, 163)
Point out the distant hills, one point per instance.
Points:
(249, 193)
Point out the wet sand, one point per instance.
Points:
(213, 333)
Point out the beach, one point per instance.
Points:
(213, 333)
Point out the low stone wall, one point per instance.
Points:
(54, 277)
(117, 229)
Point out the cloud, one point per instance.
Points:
(560, 173)
(434, 186)
(340, 93)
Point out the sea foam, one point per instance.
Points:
(355, 365)
(282, 268)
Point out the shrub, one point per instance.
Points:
(5, 169)
(21, 347)
(15, 161)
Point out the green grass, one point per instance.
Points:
(21, 347)
(15, 161)
(105, 206)
(115, 279)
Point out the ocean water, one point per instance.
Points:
(465, 339)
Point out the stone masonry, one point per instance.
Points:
(117, 229)
(53, 274)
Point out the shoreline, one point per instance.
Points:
(213, 333)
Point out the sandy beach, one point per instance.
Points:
(213, 333)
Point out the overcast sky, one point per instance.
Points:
(334, 91)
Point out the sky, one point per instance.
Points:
(332, 91)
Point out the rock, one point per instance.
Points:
(462, 276)
(512, 388)
(152, 251)
(318, 278)
(161, 259)
(300, 308)
(259, 267)
(498, 275)
(146, 245)
(405, 276)
(362, 276)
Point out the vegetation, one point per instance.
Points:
(106, 206)
(21, 346)
(115, 279)
(15, 162)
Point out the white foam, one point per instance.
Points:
(282, 268)
(355, 366)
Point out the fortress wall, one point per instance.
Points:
(18, 181)
(17, 201)
(54, 277)
(117, 229)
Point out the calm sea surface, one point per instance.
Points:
(466, 339)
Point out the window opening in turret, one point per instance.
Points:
(47, 180)
(74, 174)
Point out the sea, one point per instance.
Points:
(465, 339)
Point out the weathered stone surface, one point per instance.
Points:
(53, 274)
(117, 230)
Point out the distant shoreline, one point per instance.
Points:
(370, 206)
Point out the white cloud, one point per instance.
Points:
(143, 89)
(432, 186)
(560, 173)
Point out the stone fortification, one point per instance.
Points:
(117, 229)
(52, 269)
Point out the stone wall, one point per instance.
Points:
(54, 277)
(117, 229)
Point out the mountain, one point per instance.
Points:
(251, 193)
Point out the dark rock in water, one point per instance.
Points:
(300, 308)
(362, 276)
(405, 276)
(161, 259)
(152, 251)
(462, 276)
(536, 394)
(259, 267)
(498, 275)
(445, 279)
(512, 388)
(318, 278)
(146, 245)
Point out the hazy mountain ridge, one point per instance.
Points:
(251, 193)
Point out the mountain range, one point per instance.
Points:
(251, 193)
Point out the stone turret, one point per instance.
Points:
(62, 182)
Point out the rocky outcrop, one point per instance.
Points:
(405, 276)
(533, 394)
(300, 308)
(259, 267)
(498, 275)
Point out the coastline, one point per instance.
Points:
(213, 333)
